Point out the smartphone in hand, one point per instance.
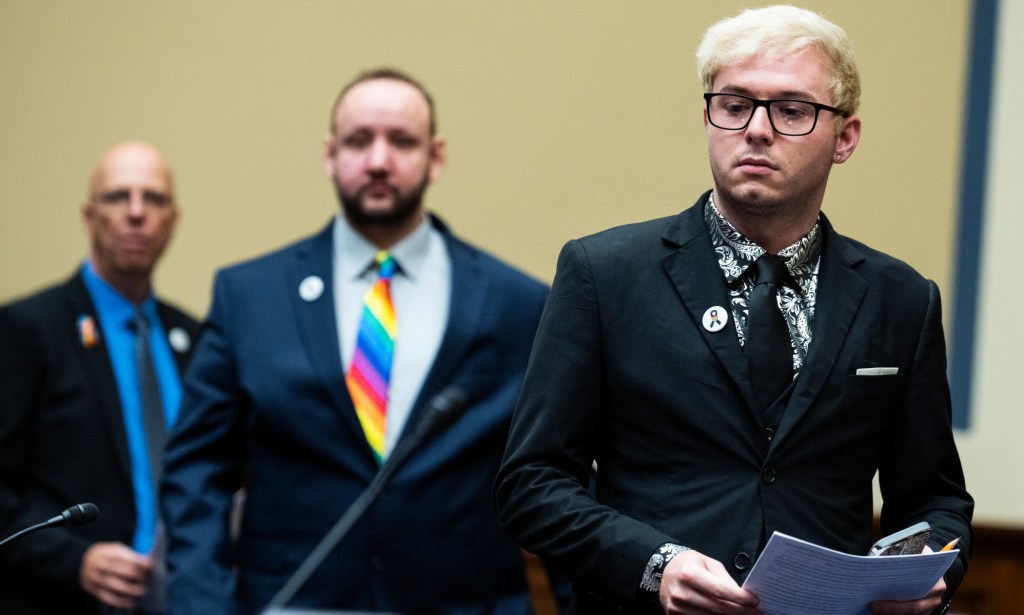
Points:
(909, 541)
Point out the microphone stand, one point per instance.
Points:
(441, 410)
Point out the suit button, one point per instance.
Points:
(741, 561)
(768, 475)
(377, 562)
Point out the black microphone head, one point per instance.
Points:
(451, 399)
(447, 405)
(80, 514)
(441, 411)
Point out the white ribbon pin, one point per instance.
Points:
(715, 318)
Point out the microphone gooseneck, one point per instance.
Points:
(77, 515)
(441, 411)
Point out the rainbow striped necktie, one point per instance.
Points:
(368, 376)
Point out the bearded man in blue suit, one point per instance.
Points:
(267, 408)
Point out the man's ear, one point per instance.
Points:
(847, 139)
(330, 149)
(87, 214)
(438, 157)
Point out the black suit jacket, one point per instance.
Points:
(62, 442)
(624, 373)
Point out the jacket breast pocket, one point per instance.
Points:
(889, 384)
(870, 402)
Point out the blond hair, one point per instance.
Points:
(781, 30)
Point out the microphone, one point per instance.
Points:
(79, 514)
(441, 411)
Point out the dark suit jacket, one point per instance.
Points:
(623, 372)
(62, 442)
(266, 407)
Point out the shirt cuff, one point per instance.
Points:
(651, 581)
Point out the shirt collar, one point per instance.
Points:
(114, 306)
(798, 256)
(357, 257)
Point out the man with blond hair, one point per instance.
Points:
(739, 368)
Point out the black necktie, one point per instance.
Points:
(768, 349)
(153, 422)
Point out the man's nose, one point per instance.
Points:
(760, 126)
(379, 155)
(136, 204)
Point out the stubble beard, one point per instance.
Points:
(755, 204)
(747, 201)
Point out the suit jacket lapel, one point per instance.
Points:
(315, 316)
(700, 283)
(469, 290)
(100, 373)
(171, 322)
(840, 292)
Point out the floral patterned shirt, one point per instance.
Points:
(736, 254)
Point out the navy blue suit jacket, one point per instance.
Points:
(266, 408)
(624, 372)
(62, 442)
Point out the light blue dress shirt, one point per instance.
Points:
(421, 294)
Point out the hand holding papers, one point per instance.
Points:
(795, 577)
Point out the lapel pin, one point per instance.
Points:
(715, 318)
(87, 331)
(311, 288)
(179, 340)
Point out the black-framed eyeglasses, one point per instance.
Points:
(793, 118)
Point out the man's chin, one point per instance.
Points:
(378, 208)
(755, 200)
(380, 217)
(381, 211)
(375, 216)
(135, 268)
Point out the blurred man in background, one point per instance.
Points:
(318, 360)
(89, 382)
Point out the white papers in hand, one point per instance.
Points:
(796, 577)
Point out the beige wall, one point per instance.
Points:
(562, 118)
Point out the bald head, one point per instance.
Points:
(131, 157)
(130, 216)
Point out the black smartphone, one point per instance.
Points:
(909, 541)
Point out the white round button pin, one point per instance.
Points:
(179, 340)
(715, 318)
(311, 288)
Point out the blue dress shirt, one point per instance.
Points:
(115, 314)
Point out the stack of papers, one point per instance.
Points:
(796, 577)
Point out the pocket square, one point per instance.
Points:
(878, 371)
